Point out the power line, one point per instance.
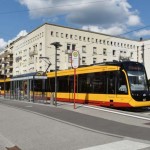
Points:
(52, 7)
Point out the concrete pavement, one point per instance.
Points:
(31, 130)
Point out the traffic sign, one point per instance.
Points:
(75, 59)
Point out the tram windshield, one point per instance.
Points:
(137, 76)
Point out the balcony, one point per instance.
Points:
(9, 67)
(18, 58)
(32, 53)
(31, 61)
(68, 51)
(9, 59)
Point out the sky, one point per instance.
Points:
(126, 18)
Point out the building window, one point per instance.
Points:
(104, 51)
(94, 50)
(35, 47)
(62, 35)
(57, 34)
(76, 37)
(131, 54)
(40, 46)
(66, 36)
(94, 60)
(142, 56)
(83, 49)
(68, 46)
(80, 38)
(104, 60)
(114, 53)
(84, 38)
(83, 60)
(52, 33)
(92, 40)
(73, 47)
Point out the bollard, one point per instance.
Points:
(52, 99)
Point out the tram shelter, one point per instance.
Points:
(30, 86)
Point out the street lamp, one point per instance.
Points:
(142, 47)
(4, 77)
(57, 45)
(46, 59)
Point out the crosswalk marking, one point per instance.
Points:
(119, 145)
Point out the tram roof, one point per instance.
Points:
(33, 75)
(99, 67)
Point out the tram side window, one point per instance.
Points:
(38, 85)
(63, 84)
(71, 84)
(98, 82)
(82, 83)
(52, 84)
(122, 84)
(111, 79)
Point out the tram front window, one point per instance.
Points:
(137, 80)
(137, 76)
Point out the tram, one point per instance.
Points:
(110, 84)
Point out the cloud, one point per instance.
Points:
(134, 20)
(142, 33)
(20, 34)
(3, 43)
(114, 30)
(98, 14)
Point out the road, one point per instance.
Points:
(32, 126)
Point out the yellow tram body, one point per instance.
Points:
(109, 100)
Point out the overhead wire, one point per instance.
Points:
(85, 3)
(52, 7)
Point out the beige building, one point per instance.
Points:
(93, 48)
(6, 61)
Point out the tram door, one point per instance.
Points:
(111, 87)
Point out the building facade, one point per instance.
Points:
(92, 47)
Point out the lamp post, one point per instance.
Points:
(143, 54)
(57, 45)
(46, 59)
(4, 78)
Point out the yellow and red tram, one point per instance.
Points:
(111, 84)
